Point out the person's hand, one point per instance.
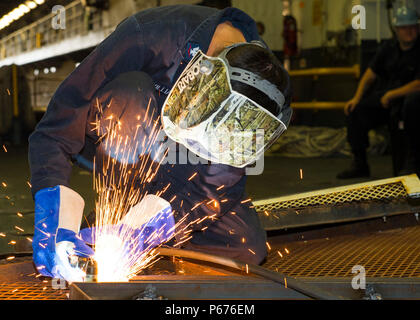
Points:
(351, 105)
(58, 214)
(386, 99)
(145, 226)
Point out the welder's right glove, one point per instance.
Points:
(153, 219)
(58, 215)
(146, 225)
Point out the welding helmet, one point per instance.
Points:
(203, 112)
(405, 17)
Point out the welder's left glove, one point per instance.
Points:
(58, 215)
(146, 225)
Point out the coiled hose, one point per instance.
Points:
(311, 142)
(297, 285)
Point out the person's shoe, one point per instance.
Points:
(355, 171)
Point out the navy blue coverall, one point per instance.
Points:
(136, 66)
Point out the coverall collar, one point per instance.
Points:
(203, 34)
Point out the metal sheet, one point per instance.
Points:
(191, 288)
(186, 288)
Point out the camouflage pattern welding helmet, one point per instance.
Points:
(203, 112)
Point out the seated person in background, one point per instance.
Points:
(396, 72)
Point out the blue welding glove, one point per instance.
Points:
(148, 224)
(58, 215)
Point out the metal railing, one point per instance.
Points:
(79, 20)
(315, 73)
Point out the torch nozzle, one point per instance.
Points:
(88, 265)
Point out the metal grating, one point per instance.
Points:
(384, 192)
(394, 253)
(18, 281)
(31, 291)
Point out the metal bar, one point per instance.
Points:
(39, 109)
(412, 185)
(354, 70)
(15, 91)
(187, 288)
(76, 293)
(325, 105)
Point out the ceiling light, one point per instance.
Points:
(18, 12)
(24, 8)
(31, 4)
(14, 14)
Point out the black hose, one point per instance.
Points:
(292, 283)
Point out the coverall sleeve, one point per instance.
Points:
(417, 77)
(210, 192)
(378, 61)
(61, 132)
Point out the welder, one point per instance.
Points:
(155, 63)
(388, 92)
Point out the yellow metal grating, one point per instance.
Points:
(385, 192)
(394, 253)
(31, 291)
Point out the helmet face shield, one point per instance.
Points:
(203, 113)
(198, 93)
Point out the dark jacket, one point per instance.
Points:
(395, 67)
(158, 42)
